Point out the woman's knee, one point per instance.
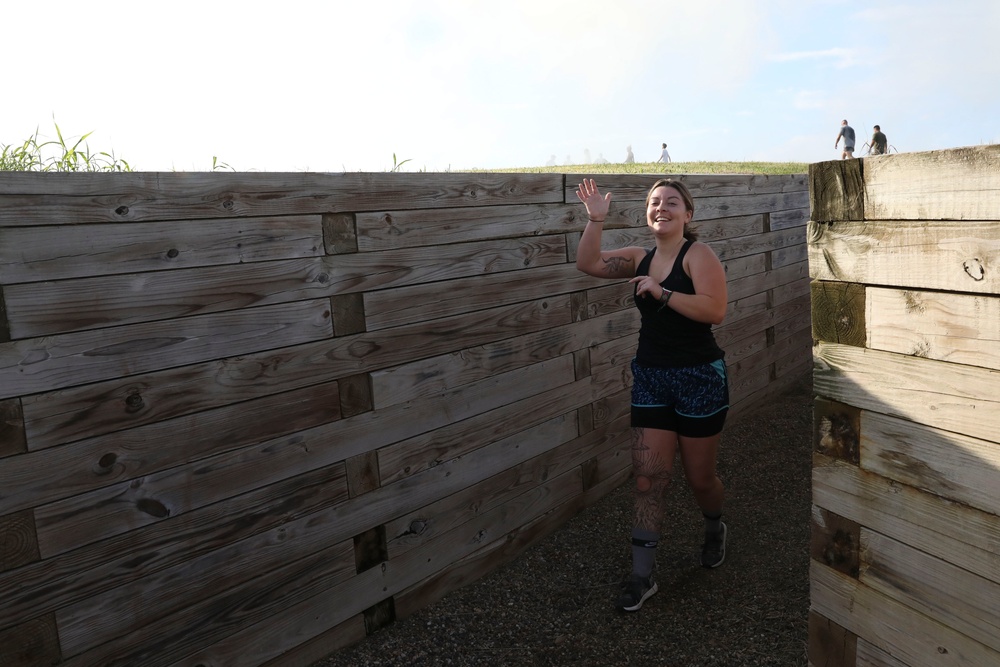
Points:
(643, 484)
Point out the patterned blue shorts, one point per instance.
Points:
(692, 400)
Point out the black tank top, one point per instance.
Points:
(667, 338)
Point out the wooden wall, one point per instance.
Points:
(906, 477)
(249, 418)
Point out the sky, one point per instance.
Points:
(345, 85)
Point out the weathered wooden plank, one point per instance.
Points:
(43, 364)
(836, 191)
(962, 399)
(608, 447)
(838, 312)
(266, 596)
(785, 377)
(88, 303)
(953, 256)
(954, 597)
(46, 585)
(790, 255)
(796, 217)
(119, 456)
(419, 525)
(793, 273)
(423, 451)
(416, 228)
(956, 184)
(795, 313)
(759, 243)
(308, 635)
(12, 440)
(950, 531)
(870, 655)
(195, 583)
(47, 199)
(31, 254)
(429, 449)
(509, 526)
(635, 187)
(73, 413)
(302, 620)
(417, 303)
(960, 328)
(428, 376)
(133, 480)
(951, 465)
(714, 230)
(918, 640)
(795, 345)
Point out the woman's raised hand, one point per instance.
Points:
(597, 205)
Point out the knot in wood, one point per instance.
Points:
(974, 267)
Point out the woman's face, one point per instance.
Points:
(666, 212)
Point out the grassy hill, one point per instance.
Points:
(658, 168)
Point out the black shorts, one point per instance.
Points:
(692, 400)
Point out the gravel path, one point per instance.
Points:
(554, 605)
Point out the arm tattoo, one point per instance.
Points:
(619, 267)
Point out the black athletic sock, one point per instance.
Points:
(644, 544)
(713, 522)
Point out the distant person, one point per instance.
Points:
(552, 161)
(880, 145)
(629, 158)
(664, 155)
(569, 160)
(586, 156)
(600, 159)
(847, 132)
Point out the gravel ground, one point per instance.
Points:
(554, 605)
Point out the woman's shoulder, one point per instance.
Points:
(700, 251)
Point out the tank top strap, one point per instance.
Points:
(643, 268)
(679, 262)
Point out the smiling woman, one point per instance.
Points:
(680, 390)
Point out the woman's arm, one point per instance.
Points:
(590, 259)
(710, 298)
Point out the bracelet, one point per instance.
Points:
(601, 220)
(668, 294)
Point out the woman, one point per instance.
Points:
(680, 393)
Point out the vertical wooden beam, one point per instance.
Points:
(18, 540)
(355, 395)
(31, 644)
(370, 549)
(380, 615)
(837, 430)
(362, 474)
(836, 191)
(836, 542)
(340, 233)
(4, 324)
(12, 438)
(348, 314)
(829, 644)
(838, 312)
